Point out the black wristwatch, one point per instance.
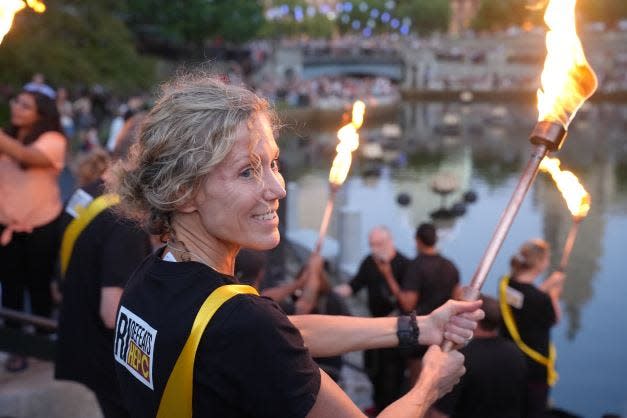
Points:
(407, 331)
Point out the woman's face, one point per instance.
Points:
(238, 201)
(24, 111)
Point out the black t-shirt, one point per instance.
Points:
(434, 278)
(104, 255)
(494, 383)
(534, 320)
(251, 361)
(381, 301)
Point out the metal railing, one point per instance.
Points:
(16, 340)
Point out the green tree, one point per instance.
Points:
(78, 42)
(608, 11)
(500, 14)
(427, 15)
(194, 21)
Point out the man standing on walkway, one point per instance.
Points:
(431, 280)
(381, 273)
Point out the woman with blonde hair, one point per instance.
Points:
(529, 312)
(189, 340)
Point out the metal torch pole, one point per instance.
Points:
(546, 137)
(570, 241)
(326, 218)
(524, 183)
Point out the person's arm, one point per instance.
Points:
(553, 287)
(109, 302)
(279, 293)
(440, 373)
(310, 290)
(309, 298)
(121, 252)
(328, 335)
(407, 299)
(27, 155)
(356, 284)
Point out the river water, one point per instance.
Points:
(483, 147)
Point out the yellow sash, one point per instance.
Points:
(510, 323)
(79, 223)
(176, 401)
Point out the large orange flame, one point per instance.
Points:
(575, 195)
(349, 142)
(567, 78)
(8, 9)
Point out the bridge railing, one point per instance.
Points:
(15, 340)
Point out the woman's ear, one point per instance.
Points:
(188, 207)
(192, 203)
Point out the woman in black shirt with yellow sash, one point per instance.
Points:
(192, 342)
(529, 312)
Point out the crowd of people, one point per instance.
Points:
(327, 92)
(160, 312)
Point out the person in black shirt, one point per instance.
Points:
(529, 313)
(103, 256)
(383, 258)
(381, 274)
(204, 176)
(431, 280)
(495, 379)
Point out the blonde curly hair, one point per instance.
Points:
(190, 129)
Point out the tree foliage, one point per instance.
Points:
(427, 15)
(194, 21)
(73, 42)
(608, 11)
(500, 14)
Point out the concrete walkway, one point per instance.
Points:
(33, 393)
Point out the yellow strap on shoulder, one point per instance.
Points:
(510, 324)
(176, 401)
(79, 223)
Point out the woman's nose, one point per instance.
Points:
(275, 186)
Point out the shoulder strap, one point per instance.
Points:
(510, 324)
(79, 223)
(176, 400)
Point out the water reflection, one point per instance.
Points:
(484, 145)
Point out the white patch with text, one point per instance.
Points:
(134, 345)
(514, 298)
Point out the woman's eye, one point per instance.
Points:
(275, 165)
(247, 173)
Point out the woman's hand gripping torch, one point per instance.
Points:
(567, 81)
(349, 142)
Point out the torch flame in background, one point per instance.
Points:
(567, 78)
(349, 142)
(575, 195)
(8, 9)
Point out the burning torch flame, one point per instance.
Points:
(8, 9)
(349, 142)
(567, 78)
(576, 197)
